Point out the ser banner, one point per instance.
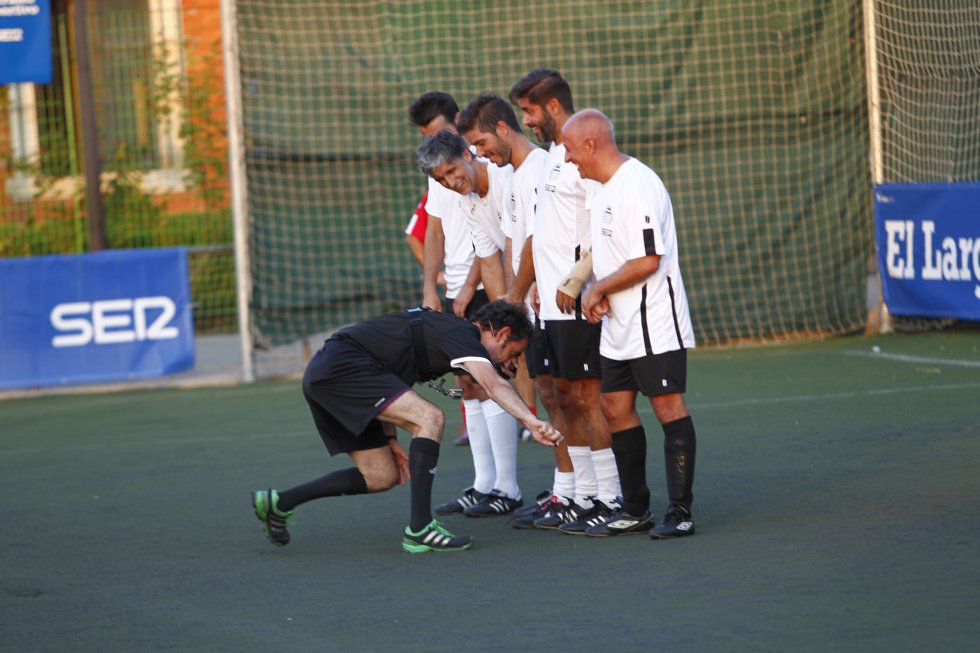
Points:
(106, 316)
(928, 240)
(25, 41)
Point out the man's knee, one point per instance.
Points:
(578, 395)
(669, 407)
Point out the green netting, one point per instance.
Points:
(753, 113)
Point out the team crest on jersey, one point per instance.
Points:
(552, 178)
(607, 219)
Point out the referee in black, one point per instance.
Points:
(360, 382)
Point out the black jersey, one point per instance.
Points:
(449, 341)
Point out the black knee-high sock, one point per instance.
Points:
(630, 449)
(334, 484)
(423, 455)
(680, 448)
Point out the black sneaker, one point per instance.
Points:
(456, 507)
(527, 519)
(495, 504)
(543, 497)
(599, 513)
(434, 537)
(560, 514)
(621, 523)
(677, 523)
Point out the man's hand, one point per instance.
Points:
(463, 300)
(401, 461)
(535, 300)
(431, 301)
(544, 433)
(566, 303)
(594, 304)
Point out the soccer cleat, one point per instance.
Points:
(273, 520)
(542, 498)
(527, 519)
(434, 537)
(621, 523)
(558, 515)
(494, 504)
(677, 523)
(599, 513)
(469, 498)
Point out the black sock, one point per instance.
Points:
(680, 449)
(423, 455)
(334, 484)
(630, 449)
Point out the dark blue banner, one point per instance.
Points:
(25, 41)
(928, 239)
(107, 316)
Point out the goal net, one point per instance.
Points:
(753, 112)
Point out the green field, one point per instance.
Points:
(837, 508)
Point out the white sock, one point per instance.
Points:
(503, 440)
(585, 483)
(564, 484)
(484, 472)
(607, 476)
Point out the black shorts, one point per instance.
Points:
(654, 375)
(572, 349)
(479, 299)
(346, 388)
(536, 353)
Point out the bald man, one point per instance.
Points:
(638, 296)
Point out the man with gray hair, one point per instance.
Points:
(480, 188)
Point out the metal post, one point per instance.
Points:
(90, 132)
(236, 173)
(878, 319)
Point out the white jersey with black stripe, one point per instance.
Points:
(632, 217)
(560, 228)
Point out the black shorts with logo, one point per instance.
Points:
(571, 349)
(654, 375)
(536, 353)
(346, 388)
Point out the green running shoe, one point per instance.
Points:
(434, 537)
(273, 520)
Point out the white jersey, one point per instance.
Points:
(560, 228)
(521, 202)
(459, 255)
(631, 218)
(486, 215)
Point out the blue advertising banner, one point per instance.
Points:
(928, 239)
(25, 41)
(106, 316)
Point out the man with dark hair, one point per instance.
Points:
(361, 378)
(489, 124)
(586, 486)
